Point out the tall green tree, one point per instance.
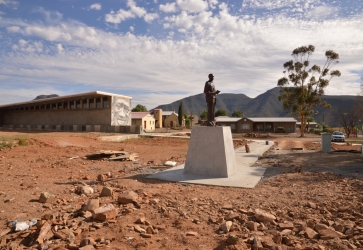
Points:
(237, 113)
(180, 113)
(139, 108)
(302, 87)
(221, 112)
(204, 114)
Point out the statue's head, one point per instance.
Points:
(211, 76)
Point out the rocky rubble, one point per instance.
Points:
(305, 224)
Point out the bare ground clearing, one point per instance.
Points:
(314, 198)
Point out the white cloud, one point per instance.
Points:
(322, 12)
(169, 7)
(119, 16)
(245, 54)
(60, 48)
(150, 17)
(192, 5)
(8, 2)
(134, 11)
(276, 4)
(24, 46)
(96, 6)
(13, 29)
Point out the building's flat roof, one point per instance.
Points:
(139, 115)
(310, 123)
(94, 93)
(272, 119)
(227, 119)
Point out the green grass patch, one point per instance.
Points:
(6, 144)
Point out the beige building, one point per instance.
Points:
(170, 119)
(91, 111)
(258, 124)
(143, 119)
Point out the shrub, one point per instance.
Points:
(23, 142)
(280, 130)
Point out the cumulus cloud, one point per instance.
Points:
(96, 6)
(133, 12)
(192, 5)
(24, 46)
(276, 4)
(13, 29)
(169, 7)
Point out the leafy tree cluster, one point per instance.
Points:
(139, 108)
(302, 87)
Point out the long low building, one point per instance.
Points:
(258, 124)
(92, 111)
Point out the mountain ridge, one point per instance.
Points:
(263, 105)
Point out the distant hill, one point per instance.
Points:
(264, 105)
(39, 97)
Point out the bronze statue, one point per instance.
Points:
(210, 97)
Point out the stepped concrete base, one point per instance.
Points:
(211, 152)
(245, 176)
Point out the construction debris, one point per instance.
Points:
(111, 155)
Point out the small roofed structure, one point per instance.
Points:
(258, 124)
(143, 119)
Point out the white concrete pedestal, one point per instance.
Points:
(211, 152)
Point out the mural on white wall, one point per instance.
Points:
(120, 111)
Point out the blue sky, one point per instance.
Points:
(161, 51)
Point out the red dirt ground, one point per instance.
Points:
(304, 189)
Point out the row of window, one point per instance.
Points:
(100, 102)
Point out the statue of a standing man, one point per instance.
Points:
(210, 97)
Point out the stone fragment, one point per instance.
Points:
(101, 177)
(257, 244)
(267, 241)
(87, 241)
(46, 197)
(105, 212)
(228, 207)
(139, 229)
(145, 235)
(88, 247)
(87, 190)
(231, 216)
(106, 191)
(154, 201)
(141, 219)
(285, 232)
(226, 226)
(91, 205)
(252, 226)
(191, 233)
(312, 205)
(329, 233)
(310, 233)
(277, 239)
(263, 216)
(128, 197)
(320, 226)
(286, 225)
(232, 239)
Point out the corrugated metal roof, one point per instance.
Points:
(227, 119)
(139, 115)
(272, 119)
(97, 93)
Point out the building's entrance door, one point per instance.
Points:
(144, 124)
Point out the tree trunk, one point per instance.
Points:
(302, 128)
